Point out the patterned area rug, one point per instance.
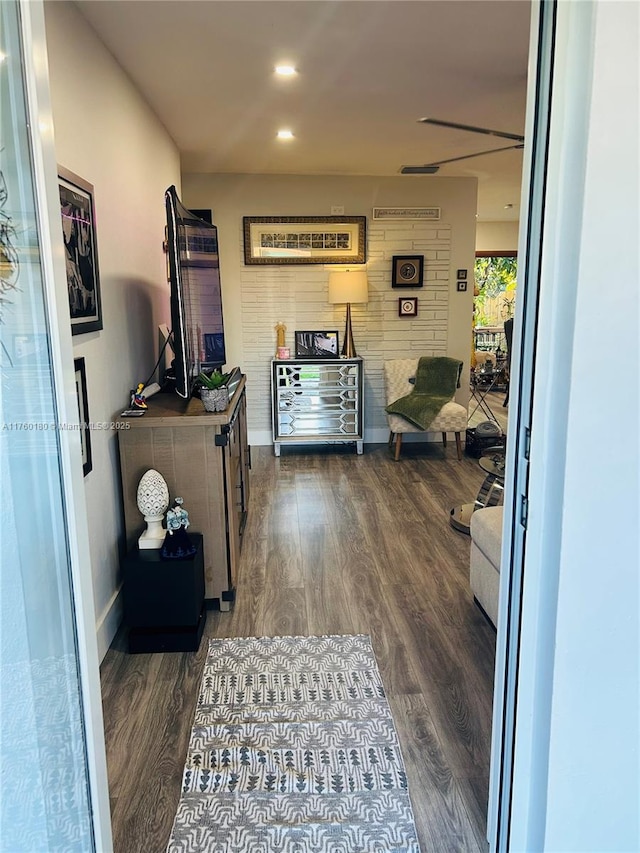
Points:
(293, 750)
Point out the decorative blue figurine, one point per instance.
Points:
(177, 544)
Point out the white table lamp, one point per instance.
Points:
(347, 286)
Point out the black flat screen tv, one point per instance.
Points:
(196, 295)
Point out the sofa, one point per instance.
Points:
(484, 569)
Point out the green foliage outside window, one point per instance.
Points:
(495, 290)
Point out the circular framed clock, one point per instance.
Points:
(407, 270)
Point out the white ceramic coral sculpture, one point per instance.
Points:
(153, 502)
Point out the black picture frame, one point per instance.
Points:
(461, 274)
(408, 306)
(83, 413)
(304, 239)
(77, 210)
(316, 344)
(407, 270)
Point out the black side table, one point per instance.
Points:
(164, 600)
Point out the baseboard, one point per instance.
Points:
(259, 437)
(375, 435)
(484, 612)
(109, 622)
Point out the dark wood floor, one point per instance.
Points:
(335, 543)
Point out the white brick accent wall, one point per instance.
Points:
(255, 298)
(297, 296)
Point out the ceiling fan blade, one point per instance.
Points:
(432, 168)
(477, 154)
(484, 130)
(418, 170)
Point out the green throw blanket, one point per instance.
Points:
(436, 381)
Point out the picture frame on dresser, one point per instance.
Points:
(322, 344)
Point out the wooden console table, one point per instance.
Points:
(205, 459)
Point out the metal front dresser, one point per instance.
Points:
(316, 401)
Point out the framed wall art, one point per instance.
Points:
(406, 213)
(304, 239)
(407, 270)
(83, 413)
(316, 344)
(408, 306)
(80, 252)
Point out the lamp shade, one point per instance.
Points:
(348, 286)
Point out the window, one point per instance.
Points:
(494, 297)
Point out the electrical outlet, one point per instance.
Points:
(337, 209)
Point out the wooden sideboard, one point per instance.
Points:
(205, 459)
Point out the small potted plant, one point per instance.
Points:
(213, 391)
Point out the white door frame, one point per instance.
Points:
(558, 112)
(521, 387)
(42, 144)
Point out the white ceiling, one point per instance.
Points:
(368, 70)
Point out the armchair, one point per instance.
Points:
(452, 417)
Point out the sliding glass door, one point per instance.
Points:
(46, 800)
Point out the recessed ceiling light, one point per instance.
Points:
(286, 70)
(285, 134)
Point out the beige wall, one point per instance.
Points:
(255, 298)
(497, 236)
(106, 134)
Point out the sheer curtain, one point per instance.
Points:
(45, 801)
